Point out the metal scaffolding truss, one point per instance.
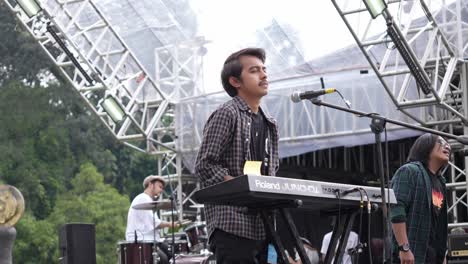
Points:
(178, 70)
(458, 185)
(181, 187)
(457, 190)
(303, 127)
(98, 63)
(436, 43)
(158, 86)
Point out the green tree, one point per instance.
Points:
(42, 144)
(133, 167)
(31, 150)
(36, 241)
(90, 200)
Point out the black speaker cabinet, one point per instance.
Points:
(77, 244)
(458, 245)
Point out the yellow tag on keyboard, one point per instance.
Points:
(252, 167)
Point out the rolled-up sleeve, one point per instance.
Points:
(216, 137)
(403, 187)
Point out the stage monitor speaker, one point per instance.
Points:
(77, 243)
(458, 245)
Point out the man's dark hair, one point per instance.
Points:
(422, 148)
(233, 67)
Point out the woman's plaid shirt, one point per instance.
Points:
(223, 152)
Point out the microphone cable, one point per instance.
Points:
(369, 208)
(387, 178)
(347, 103)
(338, 219)
(361, 209)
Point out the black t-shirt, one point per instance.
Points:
(437, 228)
(438, 201)
(259, 141)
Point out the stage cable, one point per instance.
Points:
(369, 210)
(361, 209)
(387, 176)
(347, 103)
(338, 218)
(358, 248)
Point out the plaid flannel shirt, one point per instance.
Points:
(224, 150)
(413, 190)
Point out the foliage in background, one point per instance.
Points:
(88, 201)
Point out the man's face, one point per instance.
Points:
(253, 81)
(156, 188)
(441, 151)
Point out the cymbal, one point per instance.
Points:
(154, 205)
(197, 206)
(169, 213)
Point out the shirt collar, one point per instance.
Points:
(241, 103)
(245, 107)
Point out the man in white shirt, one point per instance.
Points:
(141, 222)
(353, 240)
(311, 252)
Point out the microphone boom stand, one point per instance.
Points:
(377, 125)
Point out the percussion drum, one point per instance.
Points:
(181, 246)
(140, 252)
(196, 259)
(197, 236)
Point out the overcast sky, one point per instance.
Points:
(231, 25)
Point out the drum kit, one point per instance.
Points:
(190, 246)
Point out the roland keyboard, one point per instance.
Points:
(260, 191)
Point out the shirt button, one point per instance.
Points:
(247, 140)
(248, 123)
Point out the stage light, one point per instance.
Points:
(422, 80)
(113, 109)
(30, 7)
(70, 55)
(375, 7)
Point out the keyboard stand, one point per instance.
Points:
(297, 241)
(269, 228)
(271, 232)
(341, 229)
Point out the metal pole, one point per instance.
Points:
(378, 126)
(464, 86)
(7, 237)
(180, 198)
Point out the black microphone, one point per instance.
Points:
(322, 83)
(297, 96)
